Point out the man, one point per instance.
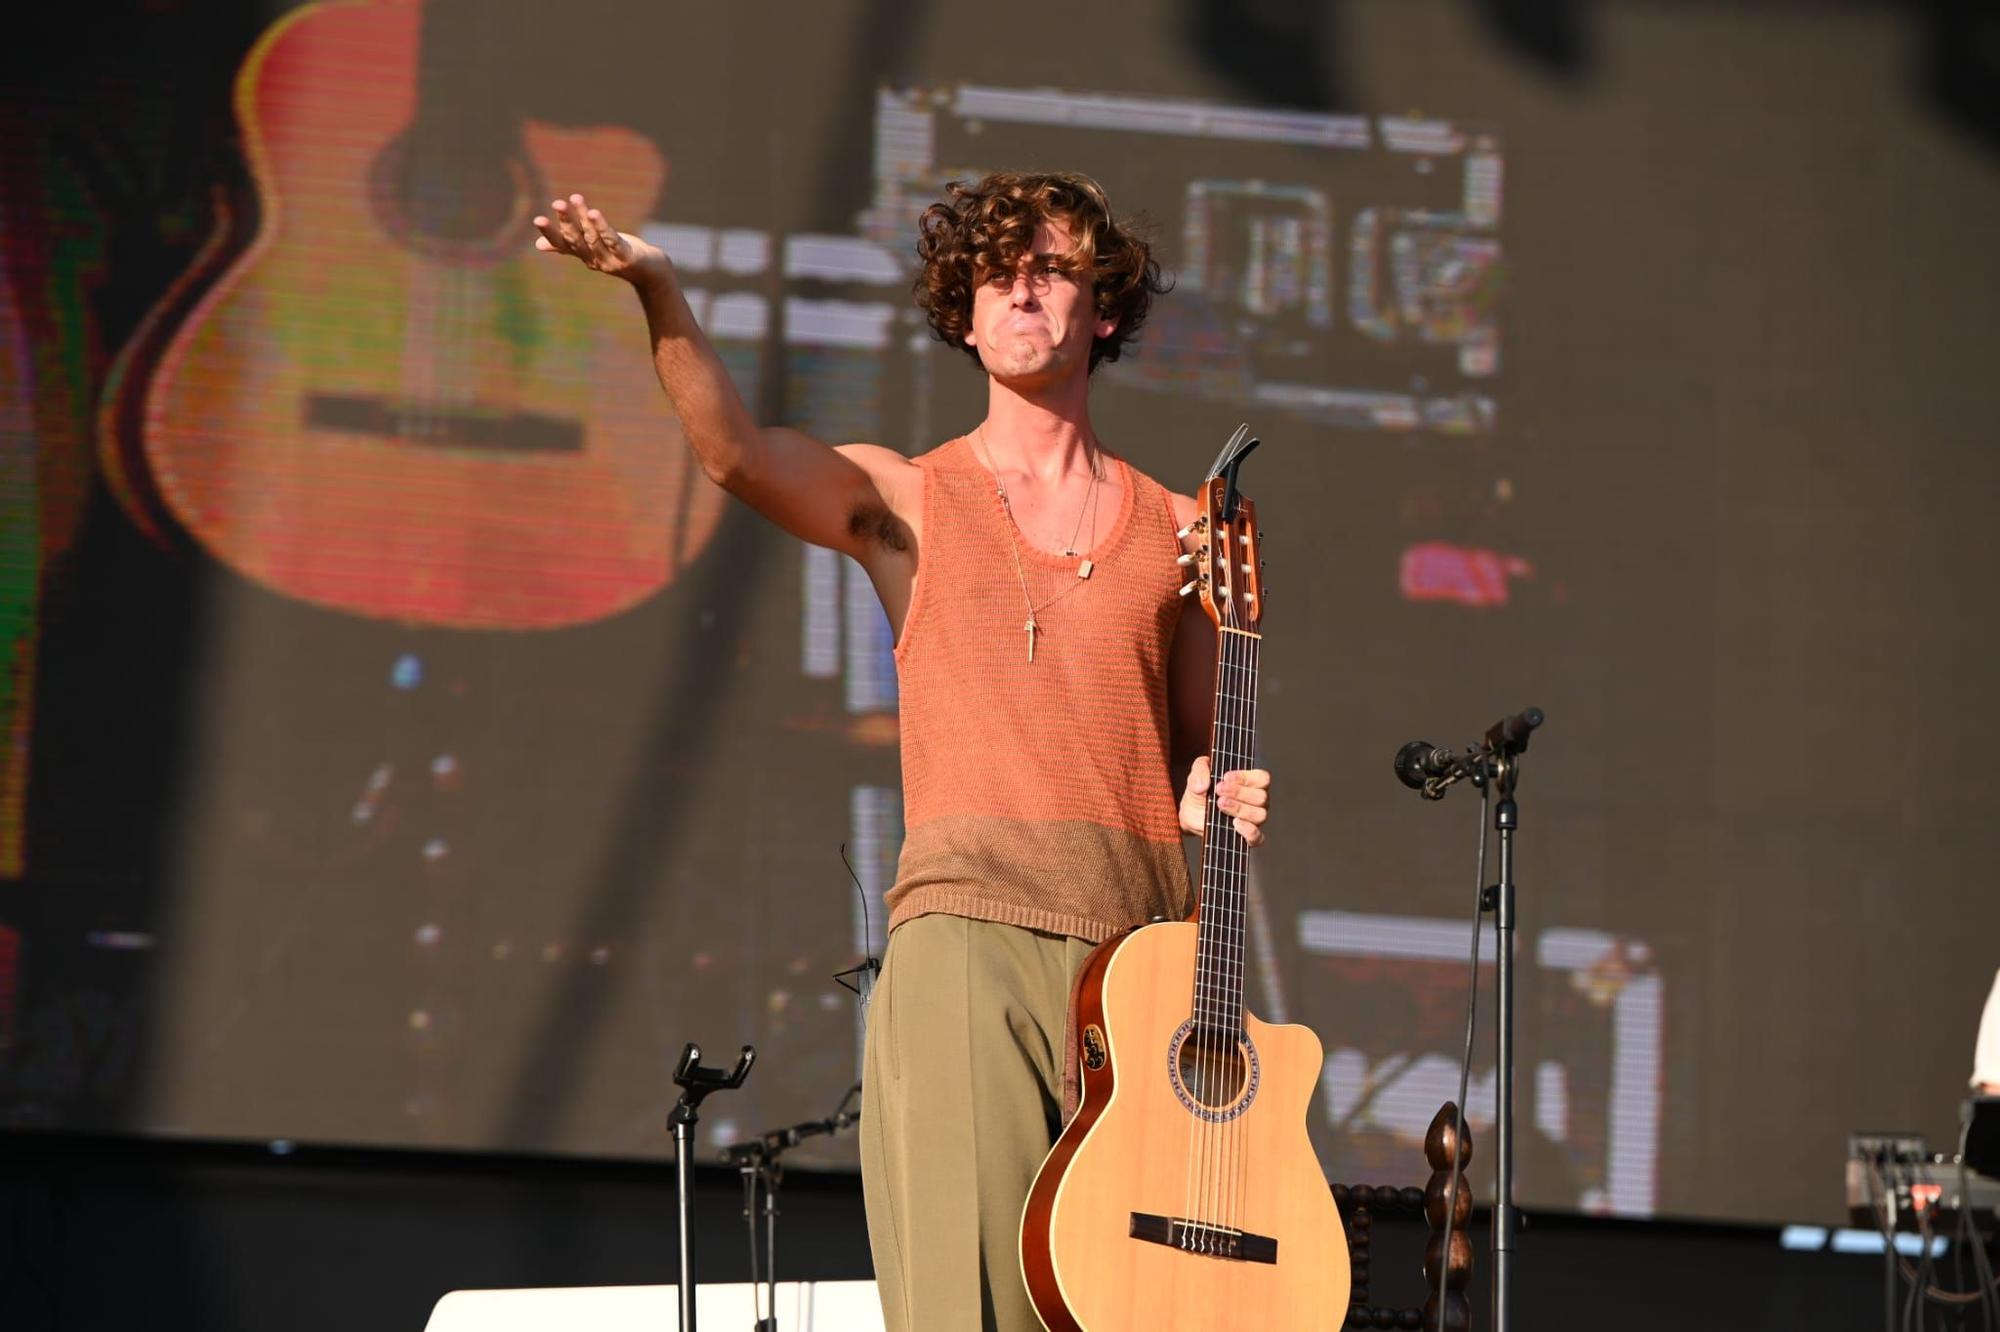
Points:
(1053, 686)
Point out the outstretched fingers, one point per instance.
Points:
(554, 238)
(574, 228)
(605, 237)
(593, 239)
(569, 229)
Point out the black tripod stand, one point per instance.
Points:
(695, 1083)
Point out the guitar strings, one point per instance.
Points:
(1207, 961)
(1217, 1164)
(1225, 1135)
(1238, 663)
(1204, 993)
(1220, 1048)
(1200, 1135)
(1225, 1034)
(1245, 695)
(1252, 649)
(1202, 907)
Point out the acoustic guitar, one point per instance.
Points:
(385, 401)
(1184, 1192)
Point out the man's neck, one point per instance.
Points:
(1047, 435)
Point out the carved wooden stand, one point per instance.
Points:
(1359, 1203)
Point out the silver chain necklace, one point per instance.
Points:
(1083, 570)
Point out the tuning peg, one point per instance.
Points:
(1200, 522)
(1190, 586)
(1186, 559)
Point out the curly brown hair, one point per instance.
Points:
(982, 229)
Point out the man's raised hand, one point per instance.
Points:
(575, 228)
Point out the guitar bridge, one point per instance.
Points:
(1205, 1238)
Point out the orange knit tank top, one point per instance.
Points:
(1038, 793)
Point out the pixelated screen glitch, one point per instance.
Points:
(1339, 269)
(1593, 1099)
(403, 742)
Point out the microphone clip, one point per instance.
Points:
(1425, 768)
(1431, 771)
(1477, 767)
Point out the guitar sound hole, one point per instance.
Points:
(452, 207)
(1212, 1067)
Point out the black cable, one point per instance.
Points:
(1909, 1300)
(1982, 1266)
(867, 930)
(871, 966)
(1958, 1247)
(1465, 1064)
(1879, 1173)
(1885, 1214)
(1913, 1306)
(1927, 1260)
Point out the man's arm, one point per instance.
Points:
(1191, 722)
(859, 499)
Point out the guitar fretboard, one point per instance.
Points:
(1219, 958)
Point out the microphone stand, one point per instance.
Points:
(759, 1161)
(1499, 899)
(760, 1166)
(696, 1083)
(1495, 762)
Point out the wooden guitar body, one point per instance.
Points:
(1233, 1158)
(1185, 1192)
(390, 420)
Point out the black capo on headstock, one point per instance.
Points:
(1226, 463)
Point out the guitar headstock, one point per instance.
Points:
(1228, 559)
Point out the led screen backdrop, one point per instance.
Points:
(404, 744)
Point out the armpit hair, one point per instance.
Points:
(878, 524)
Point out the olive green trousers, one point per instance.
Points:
(961, 1099)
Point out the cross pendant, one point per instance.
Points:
(1031, 626)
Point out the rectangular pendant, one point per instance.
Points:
(1083, 570)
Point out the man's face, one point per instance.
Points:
(1036, 324)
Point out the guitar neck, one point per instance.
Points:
(1219, 965)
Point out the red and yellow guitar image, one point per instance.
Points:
(1184, 1193)
(388, 404)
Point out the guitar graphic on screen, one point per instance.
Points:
(386, 402)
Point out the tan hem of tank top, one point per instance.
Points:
(941, 901)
